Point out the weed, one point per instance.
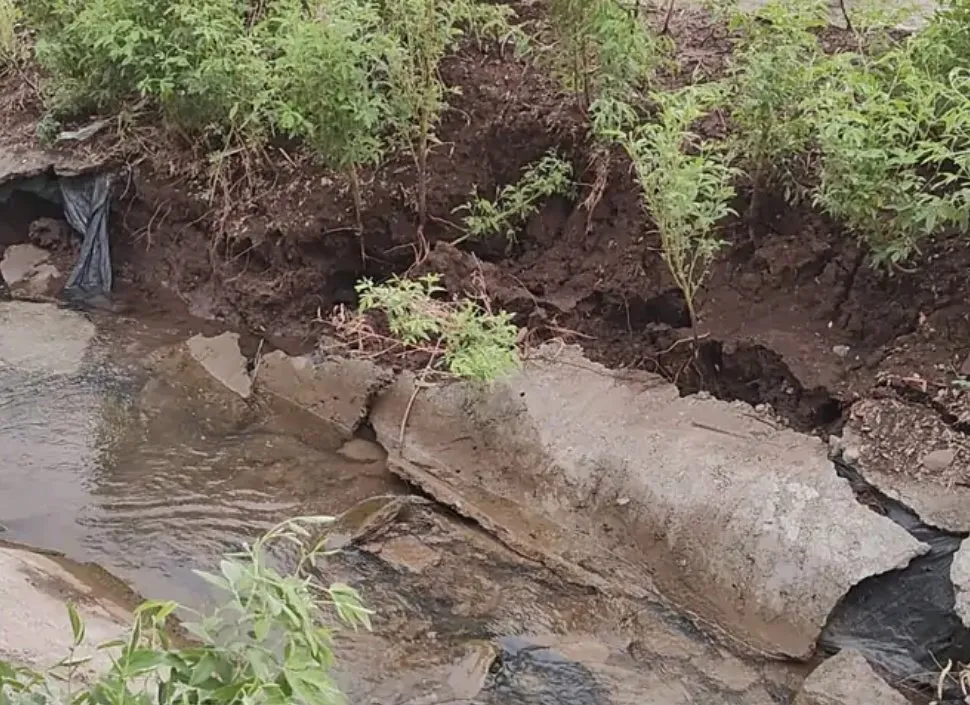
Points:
(328, 90)
(515, 203)
(423, 32)
(602, 49)
(685, 181)
(10, 46)
(894, 164)
(774, 75)
(473, 342)
(47, 130)
(271, 641)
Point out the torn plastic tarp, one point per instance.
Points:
(85, 200)
(86, 203)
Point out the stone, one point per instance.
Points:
(362, 451)
(960, 575)
(746, 525)
(221, 358)
(36, 337)
(336, 390)
(34, 592)
(26, 271)
(409, 553)
(847, 679)
(939, 460)
(841, 350)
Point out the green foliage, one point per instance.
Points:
(602, 49)
(894, 164)
(685, 181)
(473, 342)
(270, 642)
(424, 31)
(10, 46)
(774, 76)
(515, 203)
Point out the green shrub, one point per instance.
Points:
(270, 642)
(894, 164)
(515, 203)
(602, 49)
(10, 47)
(473, 342)
(685, 180)
(774, 76)
(423, 32)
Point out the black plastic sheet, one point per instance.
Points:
(86, 206)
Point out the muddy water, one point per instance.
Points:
(108, 464)
(112, 457)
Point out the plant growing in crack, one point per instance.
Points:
(515, 203)
(464, 337)
(685, 181)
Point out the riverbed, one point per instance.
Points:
(120, 453)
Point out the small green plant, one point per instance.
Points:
(271, 641)
(515, 203)
(423, 32)
(10, 47)
(685, 180)
(471, 341)
(602, 49)
(894, 163)
(329, 87)
(774, 76)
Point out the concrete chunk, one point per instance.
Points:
(746, 525)
(847, 679)
(337, 390)
(221, 358)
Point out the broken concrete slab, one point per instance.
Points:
(960, 575)
(221, 358)
(34, 592)
(909, 453)
(27, 271)
(37, 337)
(847, 679)
(744, 525)
(336, 390)
(206, 377)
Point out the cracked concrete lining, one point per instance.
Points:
(745, 525)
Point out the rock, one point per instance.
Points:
(43, 337)
(50, 233)
(747, 525)
(847, 679)
(409, 553)
(841, 350)
(960, 575)
(965, 367)
(362, 451)
(26, 270)
(221, 358)
(34, 592)
(337, 390)
(939, 460)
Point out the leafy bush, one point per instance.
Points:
(515, 203)
(423, 32)
(10, 49)
(602, 49)
(271, 642)
(473, 342)
(774, 76)
(685, 181)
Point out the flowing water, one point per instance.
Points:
(112, 455)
